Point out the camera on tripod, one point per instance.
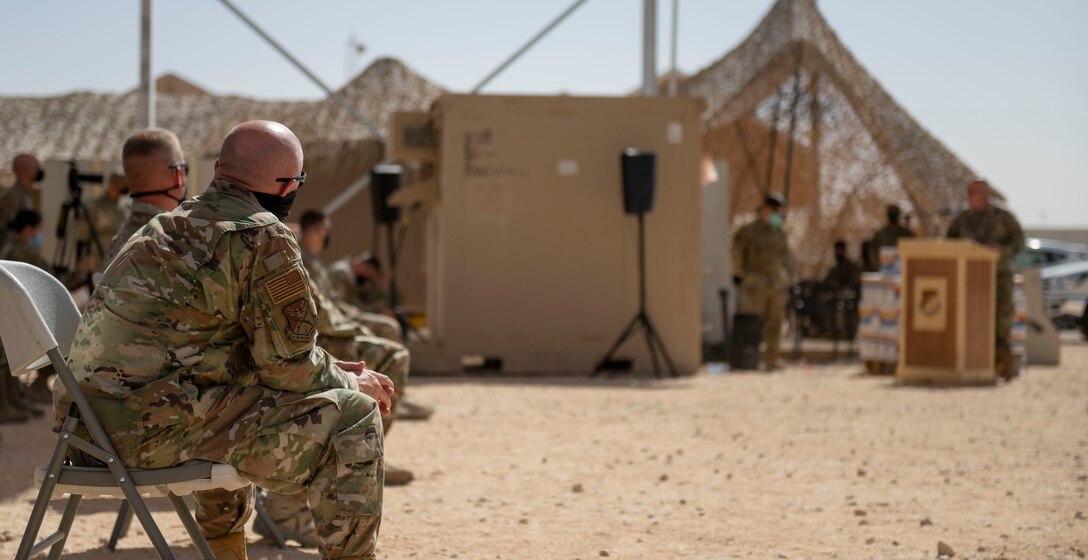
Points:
(70, 248)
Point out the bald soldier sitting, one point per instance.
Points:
(199, 344)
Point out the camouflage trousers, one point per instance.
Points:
(381, 325)
(760, 296)
(327, 444)
(1004, 316)
(380, 354)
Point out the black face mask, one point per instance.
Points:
(166, 192)
(40, 176)
(328, 239)
(276, 204)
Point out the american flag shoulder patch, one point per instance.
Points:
(286, 285)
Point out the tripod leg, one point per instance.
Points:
(648, 330)
(616, 346)
(661, 345)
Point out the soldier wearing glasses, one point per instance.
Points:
(156, 171)
(200, 343)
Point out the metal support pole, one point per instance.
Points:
(335, 97)
(536, 38)
(649, 48)
(675, 34)
(147, 81)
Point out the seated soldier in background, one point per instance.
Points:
(347, 340)
(845, 274)
(156, 172)
(22, 243)
(106, 214)
(361, 282)
(887, 236)
(316, 231)
(200, 341)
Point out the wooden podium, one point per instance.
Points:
(946, 312)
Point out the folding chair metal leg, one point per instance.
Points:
(120, 527)
(262, 513)
(191, 527)
(34, 524)
(65, 525)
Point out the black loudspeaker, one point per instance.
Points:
(638, 169)
(384, 179)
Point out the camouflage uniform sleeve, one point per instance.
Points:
(740, 239)
(279, 315)
(954, 228)
(1014, 241)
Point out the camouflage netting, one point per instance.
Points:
(93, 126)
(792, 98)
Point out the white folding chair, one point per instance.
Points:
(38, 330)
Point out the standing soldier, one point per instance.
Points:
(761, 265)
(887, 236)
(23, 194)
(999, 229)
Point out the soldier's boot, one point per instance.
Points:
(230, 547)
(411, 410)
(9, 413)
(291, 514)
(396, 476)
(38, 391)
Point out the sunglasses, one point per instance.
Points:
(183, 166)
(301, 179)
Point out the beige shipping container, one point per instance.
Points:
(530, 256)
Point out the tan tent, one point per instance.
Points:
(849, 147)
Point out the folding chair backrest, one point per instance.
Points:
(38, 315)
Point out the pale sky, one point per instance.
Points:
(1002, 83)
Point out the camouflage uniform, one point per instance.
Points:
(999, 229)
(761, 256)
(12, 200)
(138, 216)
(199, 343)
(887, 236)
(353, 341)
(357, 302)
(106, 215)
(368, 296)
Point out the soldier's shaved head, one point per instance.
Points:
(255, 153)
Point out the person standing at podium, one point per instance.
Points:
(761, 265)
(997, 228)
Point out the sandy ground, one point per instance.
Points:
(810, 462)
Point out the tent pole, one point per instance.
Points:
(748, 155)
(536, 38)
(335, 97)
(793, 124)
(649, 48)
(146, 112)
(675, 34)
(774, 136)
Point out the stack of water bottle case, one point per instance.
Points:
(878, 316)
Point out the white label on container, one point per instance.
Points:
(674, 133)
(568, 167)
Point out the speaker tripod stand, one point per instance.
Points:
(406, 326)
(641, 320)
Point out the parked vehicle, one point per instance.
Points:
(1065, 291)
(1039, 253)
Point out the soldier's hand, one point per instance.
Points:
(378, 387)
